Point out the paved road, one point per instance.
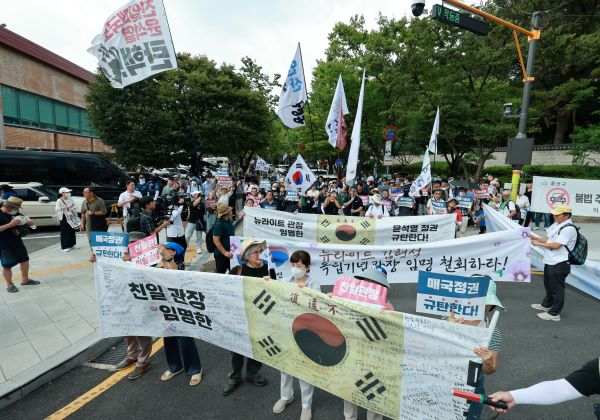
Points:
(532, 350)
(47, 236)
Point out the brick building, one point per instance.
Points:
(42, 99)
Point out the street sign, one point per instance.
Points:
(461, 20)
(389, 134)
(388, 147)
(388, 160)
(339, 163)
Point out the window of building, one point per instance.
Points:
(31, 110)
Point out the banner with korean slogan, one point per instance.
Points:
(364, 292)
(299, 178)
(440, 294)
(464, 203)
(273, 224)
(111, 245)
(72, 218)
(135, 43)
(145, 251)
(504, 256)
(582, 195)
(408, 362)
(261, 165)
(293, 94)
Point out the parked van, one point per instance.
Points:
(61, 169)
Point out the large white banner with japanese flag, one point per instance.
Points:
(424, 178)
(350, 230)
(388, 362)
(338, 105)
(293, 94)
(355, 137)
(504, 256)
(299, 178)
(135, 43)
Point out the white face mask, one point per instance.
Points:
(67, 195)
(12, 213)
(298, 273)
(194, 183)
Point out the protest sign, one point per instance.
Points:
(365, 200)
(145, 251)
(291, 195)
(504, 256)
(582, 195)
(440, 294)
(265, 185)
(395, 192)
(72, 218)
(464, 203)
(438, 206)
(360, 291)
(272, 224)
(397, 371)
(408, 202)
(222, 171)
(481, 194)
(135, 43)
(111, 245)
(224, 180)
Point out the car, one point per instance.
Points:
(39, 202)
(558, 198)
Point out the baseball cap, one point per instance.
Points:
(179, 250)
(64, 190)
(561, 209)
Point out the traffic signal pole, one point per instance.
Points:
(533, 37)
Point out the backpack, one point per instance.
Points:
(133, 224)
(210, 243)
(578, 254)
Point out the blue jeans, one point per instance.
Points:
(210, 221)
(538, 218)
(181, 352)
(476, 409)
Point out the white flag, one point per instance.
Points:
(135, 43)
(261, 165)
(299, 178)
(331, 126)
(355, 138)
(434, 133)
(293, 94)
(424, 178)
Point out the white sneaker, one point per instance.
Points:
(199, 252)
(67, 250)
(306, 414)
(539, 307)
(281, 404)
(547, 317)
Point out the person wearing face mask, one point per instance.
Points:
(300, 261)
(65, 206)
(193, 187)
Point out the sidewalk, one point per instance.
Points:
(44, 326)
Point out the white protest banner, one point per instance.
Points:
(355, 137)
(135, 43)
(299, 178)
(293, 94)
(435, 131)
(338, 105)
(424, 178)
(355, 230)
(111, 245)
(408, 362)
(72, 218)
(145, 251)
(504, 256)
(440, 294)
(582, 195)
(261, 165)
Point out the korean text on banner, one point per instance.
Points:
(582, 195)
(504, 256)
(351, 230)
(302, 332)
(145, 251)
(111, 245)
(365, 292)
(293, 94)
(440, 294)
(135, 43)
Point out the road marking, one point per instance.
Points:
(46, 237)
(99, 389)
(55, 270)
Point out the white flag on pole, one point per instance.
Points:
(135, 43)
(299, 178)
(331, 126)
(261, 165)
(434, 133)
(355, 138)
(424, 178)
(293, 94)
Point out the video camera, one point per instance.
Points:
(169, 202)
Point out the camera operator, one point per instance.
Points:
(331, 205)
(147, 223)
(176, 230)
(128, 200)
(196, 220)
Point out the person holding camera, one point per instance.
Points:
(12, 249)
(176, 230)
(129, 202)
(147, 223)
(196, 220)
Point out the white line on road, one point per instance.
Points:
(48, 237)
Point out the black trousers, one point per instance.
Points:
(67, 234)
(554, 283)
(237, 364)
(178, 240)
(221, 263)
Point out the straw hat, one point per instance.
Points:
(14, 201)
(250, 243)
(377, 199)
(223, 209)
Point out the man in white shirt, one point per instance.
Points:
(436, 204)
(377, 210)
(127, 198)
(176, 231)
(562, 236)
(507, 206)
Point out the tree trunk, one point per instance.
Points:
(562, 126)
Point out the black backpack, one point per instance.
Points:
(133, 224)
(578, 254)
(517, 215)
(210, 243)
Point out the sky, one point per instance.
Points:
(223, 30)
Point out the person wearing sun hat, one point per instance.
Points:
(12, 249)
(562, 236)
(222, 231)
(377, 209)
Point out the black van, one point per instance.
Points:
(61, 169)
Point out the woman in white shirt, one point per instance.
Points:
(65, 206)
(300, 261)
(376, 210)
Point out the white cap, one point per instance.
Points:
(64, 190)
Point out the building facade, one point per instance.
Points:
(42, 99)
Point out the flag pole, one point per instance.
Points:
(312, 132)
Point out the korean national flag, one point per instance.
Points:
(299, 177)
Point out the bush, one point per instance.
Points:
(504, 173)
